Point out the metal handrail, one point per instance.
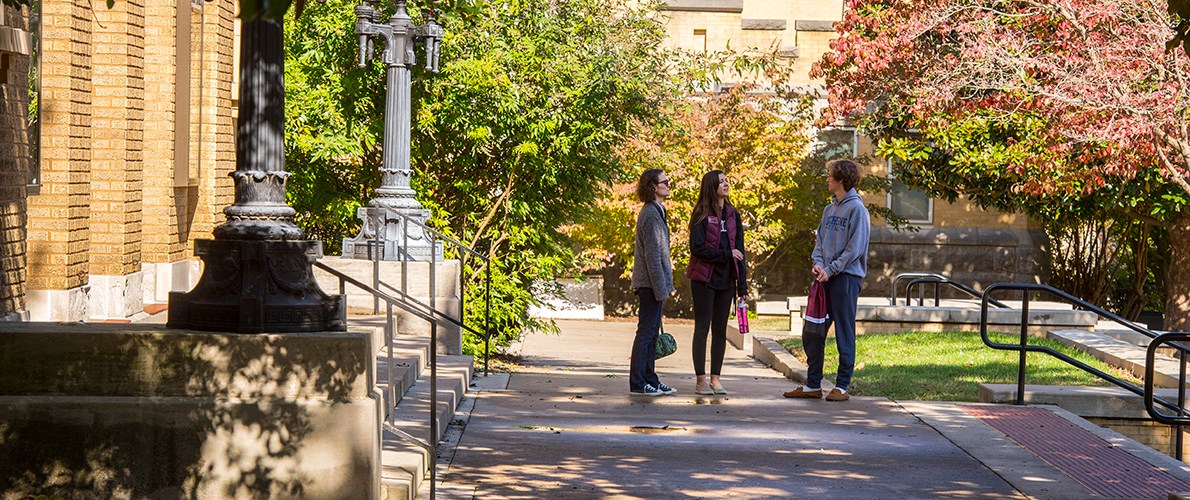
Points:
(431, 444)
(973, 293)
(1146, 392)
(391, 216)
(1150, 367)
(892, 299)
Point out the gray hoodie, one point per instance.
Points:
(842, 245)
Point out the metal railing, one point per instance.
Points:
(431, 444)
(400, 298)
(1147, 392)
(922, 282)
(892, 299)
(434, 237)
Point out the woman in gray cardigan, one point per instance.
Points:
(652, 281)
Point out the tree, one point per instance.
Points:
(1089, 82)
(513, 140)
(759, 140)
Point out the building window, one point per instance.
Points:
(910, 204)
(836, 143)
(700, 40)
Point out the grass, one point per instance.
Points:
(769, 324)
(949, 366)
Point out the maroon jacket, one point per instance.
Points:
(699, 270)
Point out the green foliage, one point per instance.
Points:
(760, 142)
(334, 122)
(516, 137)
(511, 141)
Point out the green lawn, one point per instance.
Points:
(949, 366)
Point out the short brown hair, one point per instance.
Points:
(844, 171)
(646, 187)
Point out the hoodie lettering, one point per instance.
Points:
(835, 223)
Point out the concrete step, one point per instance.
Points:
(1119, 353)
(404, 464)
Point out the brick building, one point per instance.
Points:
(133, 141)
(961, 240)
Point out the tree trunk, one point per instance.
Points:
(1177, 301)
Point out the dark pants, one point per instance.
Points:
(648, 325)
(711, 309)
(842, 294)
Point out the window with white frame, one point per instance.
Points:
(910, 204)
(836, 142)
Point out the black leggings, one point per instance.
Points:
(711, 308)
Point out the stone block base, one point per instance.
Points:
(139, 411)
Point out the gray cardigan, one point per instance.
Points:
(651, 267)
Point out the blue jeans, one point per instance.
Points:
(648, 325)
(842, 295)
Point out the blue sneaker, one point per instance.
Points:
(647, 390)
(665, 389)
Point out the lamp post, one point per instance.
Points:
(257, 274)
(400, 36)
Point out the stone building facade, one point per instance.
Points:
(15, 48)
(136, 144)
(960, 240)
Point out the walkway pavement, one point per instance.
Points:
(566, 427)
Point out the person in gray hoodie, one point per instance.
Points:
(652, 281)
(840, 264)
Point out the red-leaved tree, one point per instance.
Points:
(1098, 72)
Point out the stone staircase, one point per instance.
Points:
(403, 463)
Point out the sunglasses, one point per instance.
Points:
(666, 182)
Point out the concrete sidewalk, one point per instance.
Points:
(566, 427)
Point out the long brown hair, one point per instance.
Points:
(705, 205)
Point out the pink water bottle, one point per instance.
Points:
(741, 314)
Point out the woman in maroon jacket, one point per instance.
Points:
(717, 274)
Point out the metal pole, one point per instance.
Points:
(487, 321)
(1181, 400)
(1020, 378)
(433, 408)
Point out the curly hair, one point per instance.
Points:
(844, 171)
(646, 187)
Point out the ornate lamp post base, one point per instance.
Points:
(399, 238)
(257, 286)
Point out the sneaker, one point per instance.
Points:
(718, 388)
(802, 392)
(647, 390)
(837, 395)
(704, 389)
(665, 389)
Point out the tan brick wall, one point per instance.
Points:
(161, 242)
(14, 164)
(811, 45)
(217, 148)
(109, 200)
(117, 138)
(59, 217)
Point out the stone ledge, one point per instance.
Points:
(154, 361)
(731, 6)
(814, 25)
(762, 24)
